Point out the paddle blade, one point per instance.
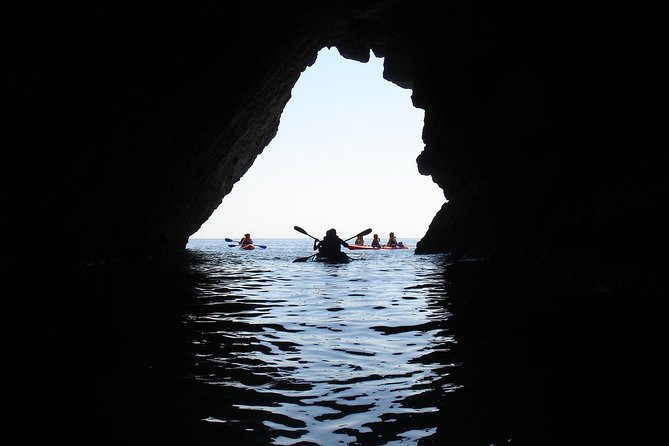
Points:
(229, 240)
(303, 259)
(365, 232)
(298, 229)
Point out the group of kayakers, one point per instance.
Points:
(376, 241)
(329, 249)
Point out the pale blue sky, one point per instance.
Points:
(344, 158)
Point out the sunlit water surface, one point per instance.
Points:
(320, 353)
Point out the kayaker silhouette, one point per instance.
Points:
(330, 247)
(246, 240)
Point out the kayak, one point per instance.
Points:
(341, 258)
(356, 247)
(332, 260)
(245, 247)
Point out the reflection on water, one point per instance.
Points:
(221, 346)
(324, 354)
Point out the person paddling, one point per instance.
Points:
(330, 247)
(246, 240)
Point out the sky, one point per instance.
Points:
(344, 157)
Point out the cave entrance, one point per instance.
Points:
(344, 157)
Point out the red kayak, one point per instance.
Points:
(248, 247)
(398, 246)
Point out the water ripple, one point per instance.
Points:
(323, 354)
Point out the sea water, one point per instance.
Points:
(217, 346)
(320, 353)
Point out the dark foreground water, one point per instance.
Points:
(223, 347)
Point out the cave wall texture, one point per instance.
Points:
(126, 126)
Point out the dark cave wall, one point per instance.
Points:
(544, 139)
(132, 125)
(129, 126)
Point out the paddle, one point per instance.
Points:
(362, 234)
(304, 259)
(232, 246)
(298, 229)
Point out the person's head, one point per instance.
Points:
(331, 232)
(392, 234)
(376, 235)
(247, 235)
